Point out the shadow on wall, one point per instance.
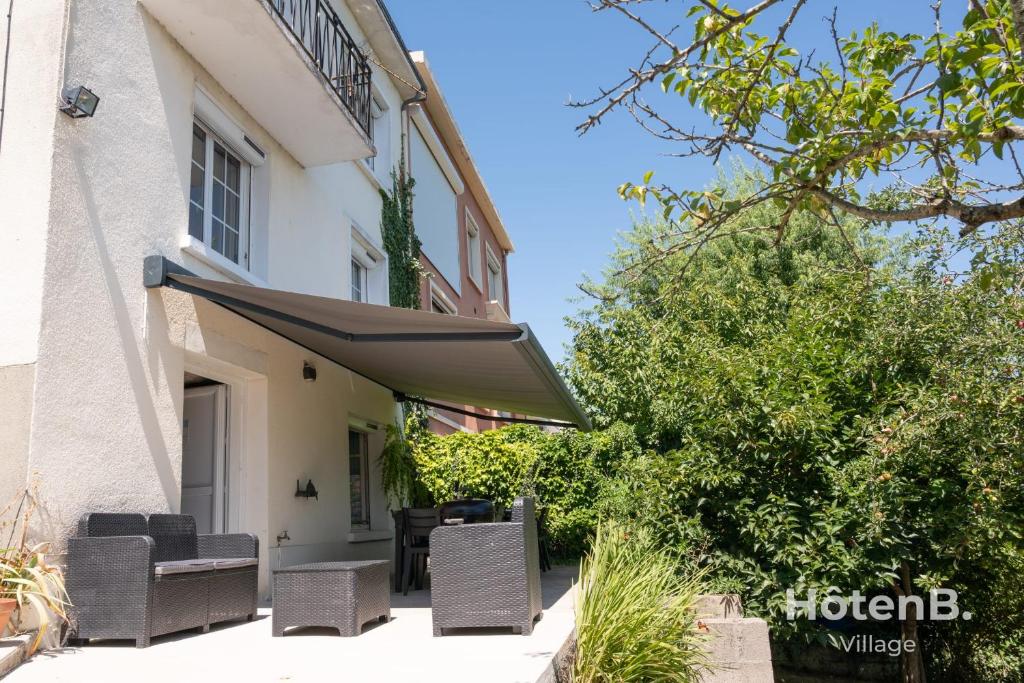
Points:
(130, 352)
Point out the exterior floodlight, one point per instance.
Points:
(79, 101)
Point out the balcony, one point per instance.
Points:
(290, 63)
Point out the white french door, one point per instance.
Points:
(204, 457)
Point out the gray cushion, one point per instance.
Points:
(183, 567)
(235, 562)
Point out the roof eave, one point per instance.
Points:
(387, 44)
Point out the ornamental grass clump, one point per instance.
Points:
(35, 586)
(635, 616)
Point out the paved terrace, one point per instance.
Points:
(403, 650)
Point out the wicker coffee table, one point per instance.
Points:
(341, 595)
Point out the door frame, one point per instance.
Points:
(222, 454)
(246, 439)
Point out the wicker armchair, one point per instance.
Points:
(135, 577)
(486, 574)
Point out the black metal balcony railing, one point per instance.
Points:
(322, 35)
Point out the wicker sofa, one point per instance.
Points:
(136, 577)
(485, 575)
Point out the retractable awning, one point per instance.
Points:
(461, 360)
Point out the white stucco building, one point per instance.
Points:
(245, 141)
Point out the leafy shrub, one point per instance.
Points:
(495, 464)
(635, 616)
(572, 474)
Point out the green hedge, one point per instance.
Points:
(572, 474)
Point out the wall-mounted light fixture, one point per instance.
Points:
(308, 372)
(308, 492)
(79, 101)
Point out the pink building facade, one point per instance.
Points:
(465, 244)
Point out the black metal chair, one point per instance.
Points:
(417, 524)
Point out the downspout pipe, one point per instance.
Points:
(420, 96)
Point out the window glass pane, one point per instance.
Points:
(198, 145)
(196, 183)
(358, 479)
(195, 221)
(217, 236)
(219, 156)
(473, 246)
(231, 210)
(234, 174)
(231, 244)
(218, 200)
(358, 277)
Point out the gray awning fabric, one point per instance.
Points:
(449, 358)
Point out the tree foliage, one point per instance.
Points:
(910, 113)
(824, 416)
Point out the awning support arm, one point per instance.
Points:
(402, 398)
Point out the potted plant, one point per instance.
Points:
(7, 606)
(399, 475)
(32, 593)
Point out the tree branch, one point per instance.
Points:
(641, 78)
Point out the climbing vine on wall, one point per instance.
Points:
(400, 240)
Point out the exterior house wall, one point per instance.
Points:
(25, 161)
(106, 409)
(27, 145)
(471, 300)
(15, 418)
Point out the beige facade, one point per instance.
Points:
(92, 365)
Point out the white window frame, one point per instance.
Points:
(213, 140)
(364, 251)
(474, 260)
(438, 296)
(364, 467)
(380, 163)
(494, 265)
(359, 281)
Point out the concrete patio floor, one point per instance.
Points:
(402, 650)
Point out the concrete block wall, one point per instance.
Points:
(739, 649)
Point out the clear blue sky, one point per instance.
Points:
(508, 68)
